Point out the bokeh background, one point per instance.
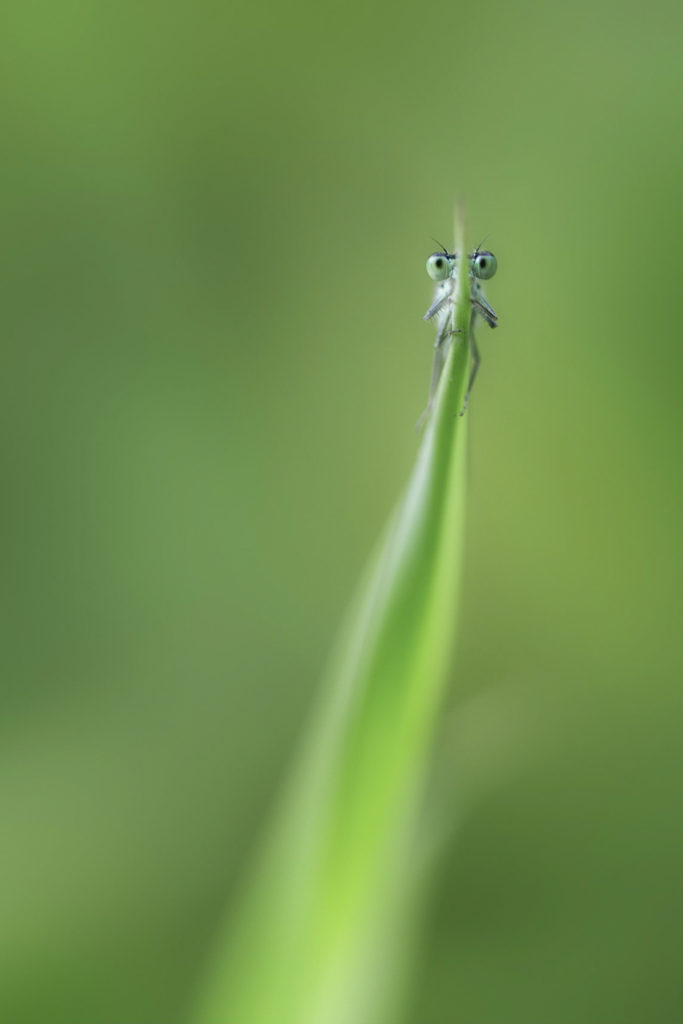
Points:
(214, 226)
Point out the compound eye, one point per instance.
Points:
(484, 265)
(439, 266)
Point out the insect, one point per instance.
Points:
(442, 267)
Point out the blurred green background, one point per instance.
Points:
(215, 220)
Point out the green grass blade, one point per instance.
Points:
(318, 933)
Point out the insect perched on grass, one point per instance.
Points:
(442, 267)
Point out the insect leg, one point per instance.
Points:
(482, 307)
(474, 353)
(445, 331)
(438, 304)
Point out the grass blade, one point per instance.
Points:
(317, 936)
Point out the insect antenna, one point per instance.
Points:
(477, 250)
(440, 245)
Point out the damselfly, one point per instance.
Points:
(443, 267)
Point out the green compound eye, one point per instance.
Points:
(439, 266)
(484, 265)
